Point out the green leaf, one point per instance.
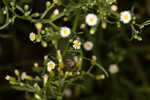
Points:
(21, 88)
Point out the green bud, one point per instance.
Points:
(4, 12)
(12, 4)
(139, 38)
(71, 40)
(66, 74)
(92, 30)
(134, 18)
(44, 44)
(10, 20)
(17, 72)
(21, 84)
(46, 29)
(48, 4)
(133, 22)
(99, 77)
(35, 14)
(104, 25)
(43, 31)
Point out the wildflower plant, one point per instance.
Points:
(66, 66)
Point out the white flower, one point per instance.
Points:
(7, 77)
(91, 19)
(88, 45)
(56, 12)
(114, 8)
(23, 75)
(65, 32)
(76, 44)
(32, 36)
(50, 65)
(109, 1)
(125, 17)
(113, 68)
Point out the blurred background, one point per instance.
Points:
(133, 57)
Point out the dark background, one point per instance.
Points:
(131, 83)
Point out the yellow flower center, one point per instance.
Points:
(88, 45)
(76, 44)
(65, 31)
(126, 17)
(113, 69)
(91, 19)
(51, 65)
(32, 36)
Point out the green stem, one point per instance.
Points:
(75, 23)
(99, 66)
(46, 11)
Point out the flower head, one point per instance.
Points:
(38, 26)
(76, 44)
(32, 36)
(88, 45)
(91, 19)
(50, 65)
(65, 32)
(125, 17)
(114, 8)
(113, 68)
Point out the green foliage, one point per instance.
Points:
(68, 64)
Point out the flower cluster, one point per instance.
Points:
(66, 64)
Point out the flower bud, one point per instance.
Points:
(99, 77)
(12, 4)
(92, 30)
(44, 44)
(17, 72)
(104, 25)
(26, 7)
(36, 64)
(35, 14)
(48, 4)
